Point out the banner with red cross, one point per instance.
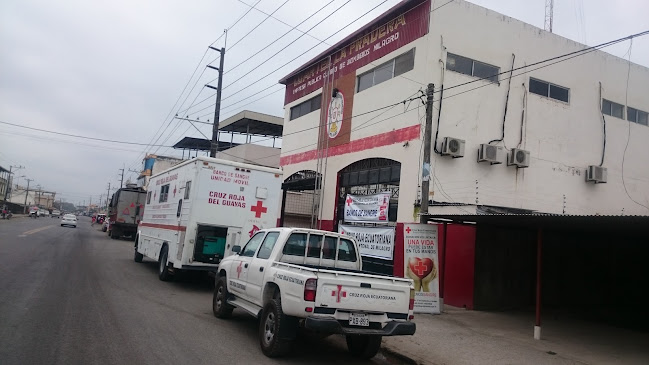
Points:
(421, 265)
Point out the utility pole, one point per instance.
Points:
(425, 181)
(217, 107)
(121, 181)
(9, 179)
(107, 195)
(26, 195)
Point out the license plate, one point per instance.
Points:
(359, 319)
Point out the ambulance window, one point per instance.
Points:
(346, 250)
(267, 246)
(164, 193)
(295, 245)
(252, 245)
(329, 248)
(188, 186)
(148, 197)
(313, 249)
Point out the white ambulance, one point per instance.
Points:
(198, 210)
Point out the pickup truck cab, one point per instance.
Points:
(294, 277)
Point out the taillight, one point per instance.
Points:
(411, 305)
(309, 289)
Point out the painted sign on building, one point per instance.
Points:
(388, 34)
(367, 208)
(376, 242)
(421, 265)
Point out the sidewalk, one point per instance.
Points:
(458, 336)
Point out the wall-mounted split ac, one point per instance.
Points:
(596, 174)
(519, 158)
(453, 147)
(491, 154)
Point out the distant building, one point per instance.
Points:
(154, 164)
(4, 182)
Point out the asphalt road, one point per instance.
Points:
(74, 296)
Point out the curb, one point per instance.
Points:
(400, 356)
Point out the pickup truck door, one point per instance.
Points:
(238, 274)
(258, 267)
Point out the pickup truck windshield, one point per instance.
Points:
(252, 245)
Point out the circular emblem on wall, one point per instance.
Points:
(335, 115)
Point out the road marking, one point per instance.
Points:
(25, 234)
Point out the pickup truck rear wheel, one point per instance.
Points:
(220, 306)
(271, 328)
(364, 346)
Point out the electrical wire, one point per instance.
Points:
(75, 135)
(278, 52)
(256, 26)
(628, 136)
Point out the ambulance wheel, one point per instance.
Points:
(137, 257)
(163, 271)
(220, 306)
(271, 328)
(363, 346)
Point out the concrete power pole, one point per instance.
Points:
(217, 107)
(108, 194)
(121, 181)
(26, 195)
(425, 181)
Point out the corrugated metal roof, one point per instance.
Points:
(636, 225)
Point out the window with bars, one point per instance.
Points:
(467, 66)
(393, 68)
(549, 90)
(306, 107)
(637, 116)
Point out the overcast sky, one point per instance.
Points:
(114, 70)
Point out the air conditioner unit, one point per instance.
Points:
(453, 147)
(596, 174)
(489, 153)
(518, 158)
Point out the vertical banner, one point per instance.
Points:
(421, 263)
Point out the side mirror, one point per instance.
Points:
(236, 249)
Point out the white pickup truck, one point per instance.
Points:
(294, 277)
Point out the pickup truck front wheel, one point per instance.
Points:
(271, 328)
(220, 306)
(364, 346)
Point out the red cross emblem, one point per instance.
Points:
(408, 230)
(132, 205)
(349, 201)
(239, 269)
(339, 293)
(258, 209)
(421, 268)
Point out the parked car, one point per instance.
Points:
(292, 277)
(43, 213)
(69, 220)
(56, 213)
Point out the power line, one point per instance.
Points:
(256, 26)
(76, 135)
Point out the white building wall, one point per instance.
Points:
(563, 138)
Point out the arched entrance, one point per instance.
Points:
(367, 177)
(300, 200)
